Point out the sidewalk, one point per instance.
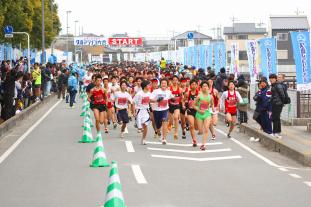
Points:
(295, 142)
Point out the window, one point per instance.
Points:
(243, 55)
(282, 54)
(282, 36)
(242, 37)
(230, 37)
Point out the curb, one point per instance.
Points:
(18, 118)
(275, 145)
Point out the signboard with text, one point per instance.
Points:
(90, 41)
(125, 41)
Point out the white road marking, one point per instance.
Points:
(266, 160)
(20, 139)
(307, 183)
(295, 176)
(138, 174)
(283, 169)
(197, 159)
(129, 146)
(185, 145)
(189, 152)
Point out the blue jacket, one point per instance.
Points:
(81, 74)
(73, 83)
(263, 100)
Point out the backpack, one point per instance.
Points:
(287, 98)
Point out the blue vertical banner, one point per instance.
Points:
(202, 57)
(301, 49)
(186, 56)
(220, 56)
(1, 52)
(198, 54)
(209, 57)
(251, 46)
(195, 56)
(268, 56)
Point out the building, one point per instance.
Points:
(239, 33)
(198, 39)
(280, 27)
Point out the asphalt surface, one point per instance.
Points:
(50, 168)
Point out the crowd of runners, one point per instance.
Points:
(166, 99)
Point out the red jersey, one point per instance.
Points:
(99, 97)
(231, 103)
(177, 95)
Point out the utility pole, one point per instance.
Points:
(67, 12)
(233, 19)
(298, 12)
(43, 35)
(52, 16)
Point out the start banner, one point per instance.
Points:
(125, 41)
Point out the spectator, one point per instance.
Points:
(26, 90)
(220, 80)
(277, 100)
(8, 101)
(72, 87)
(263, 110)
(18, 103)
(242, 88)
(36, 77)
(61, 84)
(46, 80)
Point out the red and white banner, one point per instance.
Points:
(125, 41)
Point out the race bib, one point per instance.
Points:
(122, 101)
(204, 105)
(177, 100)
(163, 104)
(191, 103)
(98, 99)
(145, 100)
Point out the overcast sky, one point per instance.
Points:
(159, 18)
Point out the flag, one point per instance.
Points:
(268, 56)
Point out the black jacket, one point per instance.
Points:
(278, 94)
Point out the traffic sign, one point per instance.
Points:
(8, 29)
(190, 35)
(8, 35)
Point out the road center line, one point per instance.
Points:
(295, 176)
(185, 145)
(129, 146)
(266, 160)
(197, 159)
(188, 151)
(307, 183)
(20, 139)
(138, 175)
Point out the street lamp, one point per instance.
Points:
(43, 35)
(75, 36)
(67, 12)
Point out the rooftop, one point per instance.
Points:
(196, 35)
(244, 28)
(289, 22)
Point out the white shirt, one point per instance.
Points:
(224, 96)
(114, 87)
(121, 99)
(87, 79)
(162, 105)
(142, 100)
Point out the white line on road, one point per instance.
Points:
(138, 174)
(15, 145)
(283, 169)
(129, 146)
(189, 152)
(295, 176)
(307, 183)
(266, 160)
(185, 145)
(197, 159)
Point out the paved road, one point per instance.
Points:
(50, 168)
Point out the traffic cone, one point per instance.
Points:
(85, 108)
(87, 136)
(99, 156)
(89, 119)
(114, 195)
(98, 136)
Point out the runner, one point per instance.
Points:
(228, 103)
(184, 90)
(161, 97)
(141, 104)
(122, 100)
(154, 86)
(99, 96)
(110, 109)
(191, 112)
(174, 106)
(214, 93)
(202, 104)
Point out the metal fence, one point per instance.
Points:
(304, 104)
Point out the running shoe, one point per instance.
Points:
(183, 135)
(143, 142)
(194, 144)
(227, 124)
(229, 136)
(139, 131)
(213, 137)
(202, 148)
(187, 127)
(115, 125)
(164, 141)
(106, 130)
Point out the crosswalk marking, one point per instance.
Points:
(197, 159)
(295, 176)
(185, 145)
(188, 151)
